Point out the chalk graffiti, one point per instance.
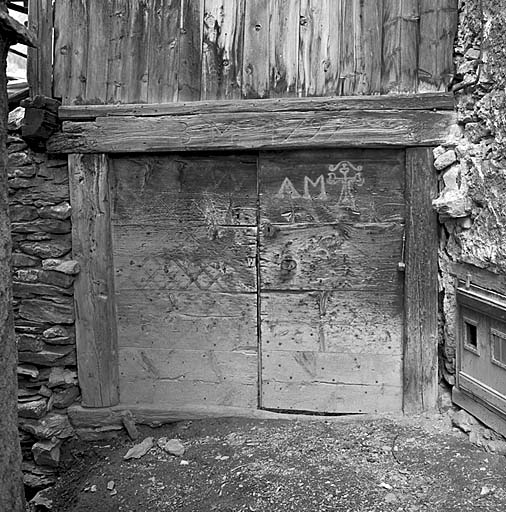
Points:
(350, 178)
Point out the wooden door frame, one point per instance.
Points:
(397, 122)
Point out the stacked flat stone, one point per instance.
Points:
(43, 277)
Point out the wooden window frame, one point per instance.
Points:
(467, 346)
(501, 335)
(91, 133)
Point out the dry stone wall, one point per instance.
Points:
(472, 164)
(43, 276)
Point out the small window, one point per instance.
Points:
(471, 335)
(498, 341)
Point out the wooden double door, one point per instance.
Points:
(264, 280)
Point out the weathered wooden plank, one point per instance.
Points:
(212, 60)
(438, 25)
(192, 320)
(116, 52)
(349, 47)
(163, 55)
(134, 64)
(253, 131)
(212, 366)
(495, 420)
(335, 322)
(421, 295)
(255, 72)
(154, 416)
(96, 334)
(216, 190)
(427, 101)
(62, 47)
(314, 46)
(326, 186)
(99, 28)
(167, 256)
(323, 397)
(70, 68)
(400, 46)
(222, 49)
(190, 50)
(283, 47)
(369, 26)
(210, 189)
(167, 394)
(40, 59)
(335, 256)
(310, 367)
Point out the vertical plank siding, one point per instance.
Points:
(99, 23)
(96, 332)
(223, 32)
(400, 45)
(40, 22)
(421, 284)
(283, 47)
(437, 34)
(190, 44)
(255, 72)
(155, 51)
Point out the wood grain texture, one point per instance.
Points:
(187, 320)
(339, 398)
(71, 50)
(99, 29)
(400, 46)
(117, 36)
(349, 55)
(166, 256)
(254, 131)
(255, 72)
(427, 101)
(222, 51)
(213, 190)
(180, 365)
(164, 48)
(40, 59)
(330, 287)
(96, 334)
(315, 46)
(135, 55)
(421, 298)
(369, 29)
(438, 25)
(333, 322)
(366, 186)
(283, 47)
(173, 394)
(62, 47)
(311, 367)
(339, 256)
(190, 51)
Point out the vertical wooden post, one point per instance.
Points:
(96, 332)
(421, 286)
(40, 59)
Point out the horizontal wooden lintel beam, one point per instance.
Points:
(425, 101)
(255, 130)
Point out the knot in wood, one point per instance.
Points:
(288, 264)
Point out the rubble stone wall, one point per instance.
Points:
(43, 276)
(472, 164)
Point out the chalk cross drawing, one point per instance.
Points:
(351, 177)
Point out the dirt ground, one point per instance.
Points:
(386, 464)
